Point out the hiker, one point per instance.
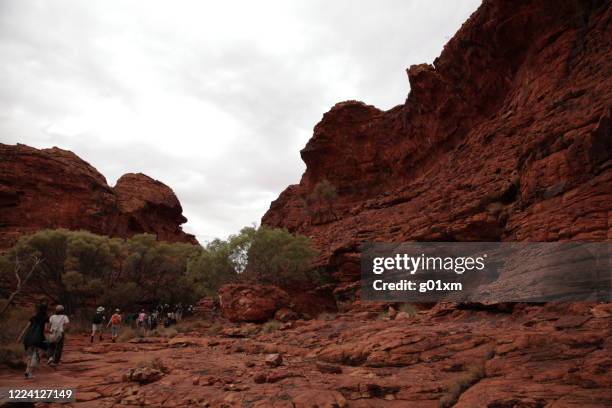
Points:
(97, 323)
(154, 320)
(57, 328)
(115, 323)
(34, 339)
(140, 322)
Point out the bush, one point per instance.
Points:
(271, 326)
(408, 308)
(215, 328)
(264, 255)
(12, 355)
(82, 269)
(165, 332)
(278, 257)
(128, 333)
(322, 197)
(154, 363)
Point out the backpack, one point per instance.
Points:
(115, 319)
(98, 318)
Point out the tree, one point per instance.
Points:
(322, 198)
(82, 269)
(22, 272)
(156, 267)
(76, 266)
(279, 257)
(213, 267)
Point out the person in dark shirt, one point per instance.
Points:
(97, 323)
(34, 338)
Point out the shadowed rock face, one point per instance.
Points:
(54, 188)
(506, 137)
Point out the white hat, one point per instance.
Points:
(100, 309)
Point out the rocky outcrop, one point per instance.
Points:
(556, 355)
(247, 302)
(251, 303)
(54, 188)
(506, 137)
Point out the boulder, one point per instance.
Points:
(251, 303)
(273, 360)
(144, 375)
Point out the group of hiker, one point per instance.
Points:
(45, 335)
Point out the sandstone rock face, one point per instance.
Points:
(506, 137)
(54, 188)
(251, 303)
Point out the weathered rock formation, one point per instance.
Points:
(246, 302)
(251, 303)
(538, 356)
(506, 137)
(54, 188)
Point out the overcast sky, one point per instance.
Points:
(214, 99)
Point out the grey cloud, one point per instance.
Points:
(76, 73)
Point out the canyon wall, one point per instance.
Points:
(505, 137)
(54, 188)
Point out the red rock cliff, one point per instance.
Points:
(54, 188)
(507, 136)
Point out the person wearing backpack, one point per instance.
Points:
(57, 326)
(115, 323)
(34, 340)
(97, 323)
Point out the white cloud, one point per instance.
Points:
(214, 99)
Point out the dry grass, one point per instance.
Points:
(155, 363)
(408, 308)
(326, 316)
(128, 333)
(215, 328)
(464, 381)
(191, 325)
(165, 332)
(271, 326)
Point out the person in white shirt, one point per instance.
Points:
(57, 327)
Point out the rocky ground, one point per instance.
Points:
(537, 356)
